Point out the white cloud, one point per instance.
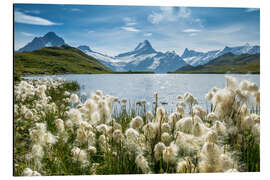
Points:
(20, 17)
(147, 34)
(252, 9)
(191, 30)
(27, 34)
(131, 24)
(169, 14)
(129, 21)
(132, 29)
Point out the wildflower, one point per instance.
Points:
(150, 130)
(185, 166)
(257, 97)
(149, 116)
(231, 82)
(210, 136)
(74, 98)
(165, 137)
(142, 163)
(60, 125)
(30, 172)
(49, 139)
(117, 135)
(131, 133)
(158, 150)
(161, 113)
(199, 111)
(210, 158)
(179, 97)
(124, 101)
(170, 153)
(28, 114)
(79, 155)
(37, 151)
(165, 127)
(209, 96)
(99, 93)
(173, 118)
(226, 162)
(92, 149)
(185, 125)
(136, 122)
(219, 127)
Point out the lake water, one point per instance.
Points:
(135, 87)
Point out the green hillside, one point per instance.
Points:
(57, 60)
(228, 63)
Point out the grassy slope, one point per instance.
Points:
(57, 60)
(244, 63)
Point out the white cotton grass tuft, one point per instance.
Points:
(79, 155)
(131, 133)
(74, 98)
(118, 135)
(219, 127)
(170, 153)
(30, 172)
(231, 82)
(210, 158)
(166, 138)
(199, 111)
(150, 130)
(92, 149)
(185, 166)
(142, 163)
(185, 125)
(149, 116)
(158, 150)
(28, 114)
(165, 127)
(173, 118)
(223, 101)
(136, 123)
(60, 125)
(160, 115)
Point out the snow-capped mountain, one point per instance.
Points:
(143, 58)
(195, 58)
(108, 61)
(49, 39)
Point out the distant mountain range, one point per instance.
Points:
(144, 57)
(196, 58)
(227, 63)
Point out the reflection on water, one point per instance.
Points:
(136, 87)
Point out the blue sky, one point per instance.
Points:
(116, 29)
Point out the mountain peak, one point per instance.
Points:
(49, 39)
(50, 34)
(145, 46)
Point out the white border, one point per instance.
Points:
(6, 78)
